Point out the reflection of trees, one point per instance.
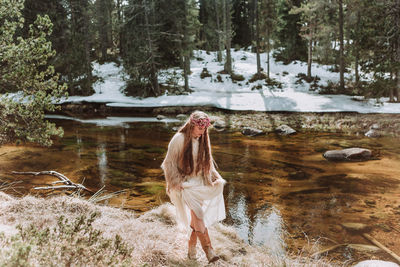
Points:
(101, 153)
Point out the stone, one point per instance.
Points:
(354, 226)
(370, 202)
(375, 126)
(376, 263)
(348, 154)
(161, 117)
(372, 133)
(363, 248)
(251, 131)
(284, 130)
(299, 175)
(181, 117)
(219, 124)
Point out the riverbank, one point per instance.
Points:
(333, 122)
(67, 231)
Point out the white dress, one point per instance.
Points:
(206, 201)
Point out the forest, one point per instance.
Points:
(49, 46)
(147, 36)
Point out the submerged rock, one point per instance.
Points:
(364, 248)
(348, 154)
(355, 226)
(251, 131)
(160, 117)
(284, 130)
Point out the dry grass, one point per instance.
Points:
(68, 231)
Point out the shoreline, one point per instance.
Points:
(384, 124)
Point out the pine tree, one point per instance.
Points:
(140, 48)
(292, 45)
(268, 24)
(25, 69)
(310, 21)
(241, 22)
(227, 17)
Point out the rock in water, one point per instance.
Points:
(160, 117)
(181, 117)
(219, 124)
(372, 133)
(376, 263)
(284, 130)
(364, 248)
(251, 131)
(348, 154)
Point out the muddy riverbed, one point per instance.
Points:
(281, 192)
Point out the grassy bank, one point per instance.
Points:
(68, 231)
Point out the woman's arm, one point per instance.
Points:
(170, 164)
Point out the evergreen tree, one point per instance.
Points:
(227, 18)
(140, 48)
(292, 46)
(310, 21)
(104, 26)
(268, 24)
(24, 69)
(241, 22)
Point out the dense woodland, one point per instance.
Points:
(48, 46)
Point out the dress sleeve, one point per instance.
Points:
(170, 163)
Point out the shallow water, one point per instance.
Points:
(281, 192)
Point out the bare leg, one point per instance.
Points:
(196, 223)
(202, 233)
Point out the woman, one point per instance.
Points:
(193, 184)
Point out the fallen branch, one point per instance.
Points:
(376, 242)
(68, 184)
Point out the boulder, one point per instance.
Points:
(219, 124)
(374, 126)
(181, 117)
(364, 248)
(348, 154)
(376, 263)
(160, 117)
(284, 130)
(372, 133)
(251, 131)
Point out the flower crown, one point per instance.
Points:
(203, 122)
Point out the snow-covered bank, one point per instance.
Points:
(237, 95)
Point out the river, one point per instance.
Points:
(281, 192)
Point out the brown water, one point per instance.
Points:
(280, 193)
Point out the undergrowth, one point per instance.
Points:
(68, 243)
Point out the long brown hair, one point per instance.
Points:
(204, 158)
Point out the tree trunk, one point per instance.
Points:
(268, 50)
(228, 36)
(153, 74)
(356, 50)
(220, 37)
(257, 36)
(186, 53)
(85, 18)
(310, 47)
(120, 34)
(341, 48)
(398, 48)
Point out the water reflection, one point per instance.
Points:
(102, 160)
